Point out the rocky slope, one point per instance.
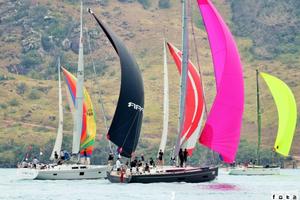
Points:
(33, 33)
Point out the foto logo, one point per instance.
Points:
(286, 195)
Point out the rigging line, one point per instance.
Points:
(190, 5)
(136, 140)
(128, 132)
(197, 57)
(99, 92)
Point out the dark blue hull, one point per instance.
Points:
(194, 175)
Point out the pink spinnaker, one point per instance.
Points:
(222, 130)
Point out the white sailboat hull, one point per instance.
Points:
(64, 172)
(254, 171)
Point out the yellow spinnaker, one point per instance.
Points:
(287, 113)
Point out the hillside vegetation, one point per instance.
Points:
(34, 33)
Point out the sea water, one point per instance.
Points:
(225, 187)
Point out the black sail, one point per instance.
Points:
(127, 121)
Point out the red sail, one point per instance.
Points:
(194, 105)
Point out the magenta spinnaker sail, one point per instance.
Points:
(222, 130)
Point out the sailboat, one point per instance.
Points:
(167, 173)
(219, 134)
(287, 119)
(83, 136)
(194, 102)
(125, 127)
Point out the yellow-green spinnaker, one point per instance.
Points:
(287, 113)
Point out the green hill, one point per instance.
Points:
(33, 33)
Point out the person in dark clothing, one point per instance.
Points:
(185, 155)
(85, 153)
(147, 168)
(181, 157)
(110, 159)
(233, 164)
(160, 157)
(85, 156)
(143, 159)
(152, 162)
(55, 155)
(140, 163)
(132, 164)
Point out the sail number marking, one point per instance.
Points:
(135, 106)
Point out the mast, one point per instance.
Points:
(59, 136)
(79, 94)
(258, 117)
(184, 73)
(164, 136)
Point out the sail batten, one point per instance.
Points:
(287, 113)
(221, 132)
(127, 121)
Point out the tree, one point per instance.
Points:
(13, 102)
(31, 58)
(103, 2)
(146, 3)
(47, 43)
(21, 88)
(164, 4)
(34, 94)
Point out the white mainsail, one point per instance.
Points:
(164, 136)
(59, 136)
(79, 94)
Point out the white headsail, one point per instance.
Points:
(164, 136)
(79, 94)
(59, 136)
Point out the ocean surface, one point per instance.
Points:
(224, 187)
